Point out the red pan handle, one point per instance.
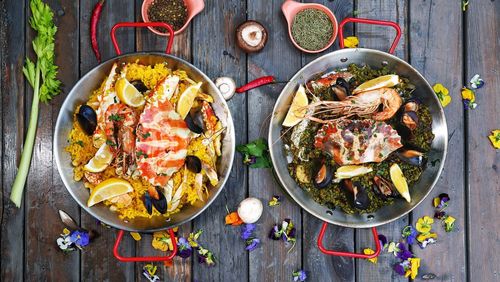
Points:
(148, 24)
(347, 254)
(370, 21)
(144, 259)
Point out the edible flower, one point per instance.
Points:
(383, 241)
(247, 230)
(409, 233)
(205, 256)
(275, 201)
(468, 98)
(412, 271)
(495, 138)
(184, 250)
(426, 239)
(351, 42)
(80, 238)
(299, 275)
(442, 93)
(449, 223)
(424, 224)
(252, 244)
(286, 232)
(193, 238)
(369, 251)
(403, 252)
(393, 248)
(439, 214)
(399, 268)
(149, 271)
(233, 219)
(476, 82)
(441, 201)
(136, 236)
(162, 241)
(255, 154)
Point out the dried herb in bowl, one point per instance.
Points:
(312, 29)
(172, 12)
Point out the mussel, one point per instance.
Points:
(161, 203)
(139, 85)
(412, 157)
(323, 176)
(158, 200)
(409, 117)
(193, 163)
(194, 121)
(87, 118)
(360, 195)
(384, 188)
(341, 89)
(148, 203)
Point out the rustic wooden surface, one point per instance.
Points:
(445, 44)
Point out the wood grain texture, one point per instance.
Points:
(381, 38)
(339, 238)
(483, 32)
(215, 53)
(98, 263)
(272, 261)
(429, 31)
(145, 41)
(12, 86)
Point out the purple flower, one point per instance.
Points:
(249, 160)
(252, 244)
(275, 233)
(399, 269)
(299, 275)
(383, 240)
(426, 242)
(246, 230)
(410, 234)
(439, 214)
(403, 253)
(184, 249)
(79, 238)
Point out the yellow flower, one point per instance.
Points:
(468, 94)
(414, 265)
(136, 236)
(161, 241)
(66, 231)
(424, 224)
(369, 251)
(351, 42)
(495, 138)
(422, 237)
(442, 93)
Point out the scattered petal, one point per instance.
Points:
(399, 269)
(136, 236)
(149, 271)
(233, 219)
(449, 223)
(184, 250)
(252, 244)
(442, 93)
(393, 248)
(495, 138)
(162, 241)
(247, 230)
(369, 251)
(66, 231)
(275, 201)
(383, 241)
(465, 4)
(351, 42)
(403, 252)
(476, 82)
(299, 275)
(413, 269)
(424, 224)
(409, 233)
(469, 98)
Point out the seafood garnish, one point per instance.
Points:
(327, 80)
(106, 98)
(165, 89)
(357, 141)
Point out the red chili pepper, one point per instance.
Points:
(96, 14)
(255, 83)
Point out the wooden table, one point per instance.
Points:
(445, 44)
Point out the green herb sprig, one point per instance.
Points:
(255, 154)
(41, 75)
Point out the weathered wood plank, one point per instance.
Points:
(215, 53)
(483, 189)
(45, 193)
(12, 87)
(315, 262)
(99, 263)
(273, 261)
(145, 41)
(428, 32)
(381, 37)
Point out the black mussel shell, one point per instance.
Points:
(193, 124)
(341, 89)
(87, 118)
(148, 203)
(383, 187)
(360, 199)
(193, 163)
(160, 204)
(410, 120)
(412, 157)
(323, 176)
(139, 85)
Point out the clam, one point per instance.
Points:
(323, 176)
(360, 196)
(87, 118)
(193, 163)
(383, 187)
(412, 157)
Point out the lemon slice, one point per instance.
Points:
(389, 80)
(101, 160)
(399, 181)
(186, 99)
(297, 109)
(128, 94)
(108, 189)
(350, 171)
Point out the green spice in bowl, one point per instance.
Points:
(312, 29)
(172, 12)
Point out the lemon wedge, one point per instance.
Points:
(297, 109)
(128, 94)
(108, 189)
(186, 99)
(350, 171)
(101, 160)
(389, 80)
(399, 181)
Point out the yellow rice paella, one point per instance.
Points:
(146, 142)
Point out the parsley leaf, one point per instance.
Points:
(255, 154)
